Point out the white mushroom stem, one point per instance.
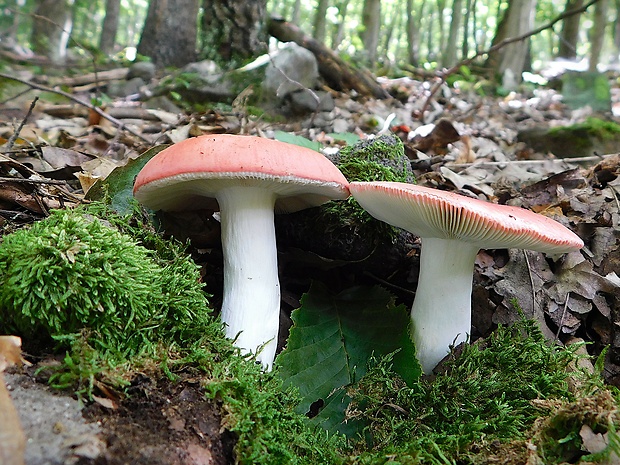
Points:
(441, 311)
(251, 303)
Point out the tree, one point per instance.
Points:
(597, 33)
(320, 20)
(413, 32)
(569, 34)
(110, 26)
(51, 28)
(169, 34)
(449, 54)
(509, 62)
(371, 21)
(234, 31)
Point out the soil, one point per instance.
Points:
(159, 421)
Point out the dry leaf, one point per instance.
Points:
(12, 438)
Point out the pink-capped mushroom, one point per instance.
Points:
(246, 178)
(452, 229)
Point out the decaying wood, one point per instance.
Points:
(12, 438)
(338, 74)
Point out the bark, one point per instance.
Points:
(320, 21)
(234, 31)
(110, 26)
(597, 33)
(336, 72)
(371, 21)
(616, 34)
(51, 29)
(569, 34)
(510, 61)
(339, 33)
(169, 34)
(449, 54)
(469, 15)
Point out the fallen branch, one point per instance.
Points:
(99, 111)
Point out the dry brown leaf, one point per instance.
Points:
(12, 438)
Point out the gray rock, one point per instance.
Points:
(56, 431)
(290, 70)
(305, 101)
(125, 88)
(143, 69)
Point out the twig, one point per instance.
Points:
(530, 162)
(94, 108)
(15, 135)
(557, 335)
(33, 181)
(529, 271)
(443, 75)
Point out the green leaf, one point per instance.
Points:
(331, 343)
(297, 140)
(118, 186)
(349, 137)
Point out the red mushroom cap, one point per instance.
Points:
(430, 212)
(188, 174)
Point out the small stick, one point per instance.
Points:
(33, 181)
(15, 135)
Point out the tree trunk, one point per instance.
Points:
(509, 61)
(616, 34)
(469, 16)
(110, 26)
(597, 33)
(441, 5)
(371, 21)
(320, 20)
(449, 54)
(340, 30)
(234, 31)
(51, 29)
(336, 72)
(169, 34)
(570, 31)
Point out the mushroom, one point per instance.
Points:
(246, 178)
(452, 229)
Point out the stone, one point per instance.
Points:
(291, 69)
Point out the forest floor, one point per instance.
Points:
(469, 143)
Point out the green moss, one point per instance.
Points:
(590, 128)
(490, 395)
(379, 159)
(75, 272)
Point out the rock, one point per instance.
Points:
(144, 70)
(205, 69)
(125, 88)
(304, 101)
(290, 67)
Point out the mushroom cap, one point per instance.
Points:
(188, 175)
(430, 212)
